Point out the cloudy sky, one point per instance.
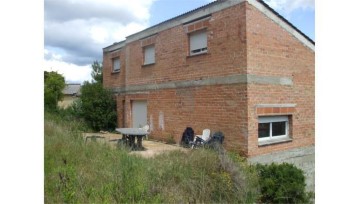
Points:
(75, 31)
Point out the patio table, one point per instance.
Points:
(131, 134)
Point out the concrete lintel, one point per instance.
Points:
(287, 105)
(269, 80)
(224, 80)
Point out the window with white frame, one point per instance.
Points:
(273, 127)
(198, 42)
(116, 64)
(149, 54)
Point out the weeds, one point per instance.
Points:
(79, 172)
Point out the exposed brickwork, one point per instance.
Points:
(241, 40)
(111, 79)
(148, 41)
(197, 25)
(275, 111)
(220, 108)
(274, 52)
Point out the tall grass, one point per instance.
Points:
(76, 172)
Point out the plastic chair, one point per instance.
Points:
(146, 128)
(202, 139)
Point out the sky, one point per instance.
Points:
(75, 31)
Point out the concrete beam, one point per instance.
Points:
(287, 105)
(225, 80)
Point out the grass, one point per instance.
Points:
(76, 172)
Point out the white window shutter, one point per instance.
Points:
(116, 64)
(149, 54)
(198, 40)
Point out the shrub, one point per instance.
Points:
(282, 183)
(96, 106)
(53, 86)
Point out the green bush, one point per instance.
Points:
(282, 183)
(96, 106)
(53, 86)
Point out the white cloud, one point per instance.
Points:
(287, 6)
(71, 72)
(77, 30)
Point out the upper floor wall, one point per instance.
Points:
(211, 45)
(224, 38)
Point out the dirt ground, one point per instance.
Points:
(152, 148)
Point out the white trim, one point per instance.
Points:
(271, 120)
(282, 23)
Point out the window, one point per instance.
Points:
(149, 54)
(198, 42)
(116, 64)
(273, 127)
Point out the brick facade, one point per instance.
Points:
(253, 67)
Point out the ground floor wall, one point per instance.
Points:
(233, 109)
(169, 111)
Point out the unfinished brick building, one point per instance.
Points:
(234, 66)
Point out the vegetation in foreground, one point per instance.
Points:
(76, 172)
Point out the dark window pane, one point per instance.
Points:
(263, 130)
(278, 128)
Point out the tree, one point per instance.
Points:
(97, 72)
(96, 105)
(53, 86)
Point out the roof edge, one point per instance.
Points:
(184, 18)
(209, 9)
(284, 23)
(114, 46)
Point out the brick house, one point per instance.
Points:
(234, 66)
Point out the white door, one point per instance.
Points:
(139, 113)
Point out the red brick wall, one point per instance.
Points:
(226, 52)
(111, 79)
(272, 51)
(241, 40)
(219, 108)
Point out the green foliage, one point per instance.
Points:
(97, 72)
(54, 84)
(282, 183)
(97, 107)
(79, 172)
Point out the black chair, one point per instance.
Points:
(187, 137)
